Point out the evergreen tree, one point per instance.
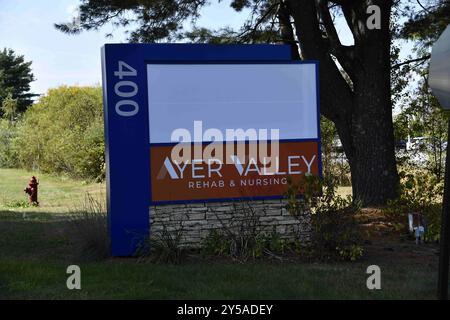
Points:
(15, 79)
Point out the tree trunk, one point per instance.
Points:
(358, 97)
(370, 149)
(373, 166)
(372, 158)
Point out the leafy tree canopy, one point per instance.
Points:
(9, 107)
(426, 24)
(63, 133)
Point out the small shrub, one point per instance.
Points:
(335, 232)
(433, 214)
(272, 242)
(165, 247)
(242, 232)
(215, 243)
(351, 253)
(419, 192)
(243, 238)
(219, 243)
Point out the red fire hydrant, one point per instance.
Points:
(32, 191)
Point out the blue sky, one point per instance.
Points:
(26, 26)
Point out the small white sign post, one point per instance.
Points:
(439, 81)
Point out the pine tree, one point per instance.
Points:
(15, 79)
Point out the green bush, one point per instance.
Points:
(419, 192)
(63, 134)
(243, 238)
(8, 156)
(216, 243)
(433, 219)
(165, 246)
(221, 243)
(335, 231)
(238, 238)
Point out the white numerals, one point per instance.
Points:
(125, 94)
(126, 89)
(125, 71)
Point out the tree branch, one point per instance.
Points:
(343, 54)
(422, 6)
(287, 32)
(336, 96)
(260, 20)
(328, 22)
(422, 59)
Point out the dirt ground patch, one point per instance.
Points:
(384, 243)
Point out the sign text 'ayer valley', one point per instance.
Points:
(200, 169)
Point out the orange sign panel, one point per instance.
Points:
(232, 175)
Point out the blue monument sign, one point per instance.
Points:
(136, 180)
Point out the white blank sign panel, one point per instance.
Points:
(233, 96)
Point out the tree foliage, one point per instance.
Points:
(422, 116)
(63, 133)
(426, 24)
(9, 107)
(152, 20)
(8, 132)
(15, 79)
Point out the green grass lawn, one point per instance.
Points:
(56, 194)
(36, 248)
(35, 255)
